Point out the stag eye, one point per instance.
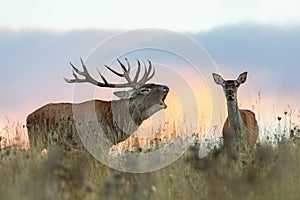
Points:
(145, 90)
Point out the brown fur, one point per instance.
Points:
(251, 129)
(240, 129)
(56, 121)
(61, 122)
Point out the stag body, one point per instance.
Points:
(240, 128)
(118, 119)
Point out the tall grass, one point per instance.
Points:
(13, 134)
(270, 171)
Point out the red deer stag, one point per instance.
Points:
(55, 121)
(240, 129)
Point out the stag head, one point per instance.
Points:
(144, 99)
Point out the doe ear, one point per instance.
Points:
(242, 78)
(218, 79)
(125, 94)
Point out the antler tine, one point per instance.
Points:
(123, 66)
(113, 71)
(137, 72)
(71, 80)
(130, 83)
(75, 69)
(102, 77)
(144, 77)
(150, 68)
(83, 73)
(84, 67)
(76, 79)
(126, 71)
(145, 74)
(128, 65)
(153, 71)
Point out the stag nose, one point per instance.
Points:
(165, 89)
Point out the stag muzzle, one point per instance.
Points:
(165, 91)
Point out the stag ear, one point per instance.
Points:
(218, 79)
(125, 94)
(242, 78)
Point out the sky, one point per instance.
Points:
(184, 16)
(39, 38)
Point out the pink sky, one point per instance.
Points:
(33, 64)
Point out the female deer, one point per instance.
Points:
(240, 128)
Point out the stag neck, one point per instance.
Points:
(234, 116)
(135, 111)
(123, 119)
(127, 111)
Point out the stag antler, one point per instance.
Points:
(130, 83)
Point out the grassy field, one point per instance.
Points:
(269, 172)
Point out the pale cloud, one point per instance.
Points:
(188, 16)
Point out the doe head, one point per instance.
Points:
(230, 87)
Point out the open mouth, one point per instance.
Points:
(162, 101)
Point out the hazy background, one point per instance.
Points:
(39, 38)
